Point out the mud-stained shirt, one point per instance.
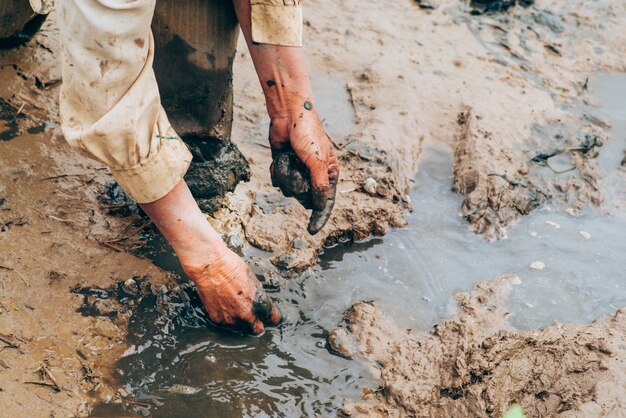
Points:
(277, 22)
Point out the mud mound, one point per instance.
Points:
(476, 364)
(500, 182)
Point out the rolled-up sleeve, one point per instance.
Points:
(277, 22)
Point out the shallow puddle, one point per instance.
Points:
(181, 366)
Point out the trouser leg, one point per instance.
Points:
(196, 44)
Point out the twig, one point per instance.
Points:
(51, 377)
(50, 385)
(54, 218)
(111, 246)
(16, 272)
(341, 147)
(355, 105)
(20, 109)
(124, 238)
(9, 343)
(60, 176)
(26, 99)
(123, 205)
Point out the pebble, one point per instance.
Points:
(298, 244)
(130, 287)
(427, 4)
(538, 265)
(553, 224)
(370, 186)
(532, 233)
(341, 343)
(585, 234)
(130, 351)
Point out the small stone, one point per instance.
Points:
(298, 244)
(572, 212)
(370, 186)
(585, 234)
(427, 4)
(234, 241)
(130, 351)
(553, 224)
(341, 344)
(537, 265)
(130, 287)
(347, 410)
(532, 233)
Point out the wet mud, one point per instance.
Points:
(216, 169)
(487, 6)
(9, 117)
(517, 107)
(476, 364)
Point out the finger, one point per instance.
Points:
(333, 167)
(319, 218)
(249, 323)
(319, 182)
(263, 308)
(257, 327)
(275, 317)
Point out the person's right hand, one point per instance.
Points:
(231, 293)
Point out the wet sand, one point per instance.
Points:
(476, 364)
(501, 90)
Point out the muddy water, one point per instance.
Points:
(181, 366)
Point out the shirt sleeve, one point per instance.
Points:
(277, 22)
(42, 7)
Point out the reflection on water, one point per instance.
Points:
(181, 366)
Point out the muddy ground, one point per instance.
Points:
(504, 90)
(475, 364)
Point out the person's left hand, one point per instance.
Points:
(304, 164)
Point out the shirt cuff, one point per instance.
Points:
(43, 7)
(277, 23)
(151, 180)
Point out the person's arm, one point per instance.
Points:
(294, 121)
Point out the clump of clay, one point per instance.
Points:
(292, 176)
(477, 365)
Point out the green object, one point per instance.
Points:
(515, 411)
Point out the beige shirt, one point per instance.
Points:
(277, 22)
